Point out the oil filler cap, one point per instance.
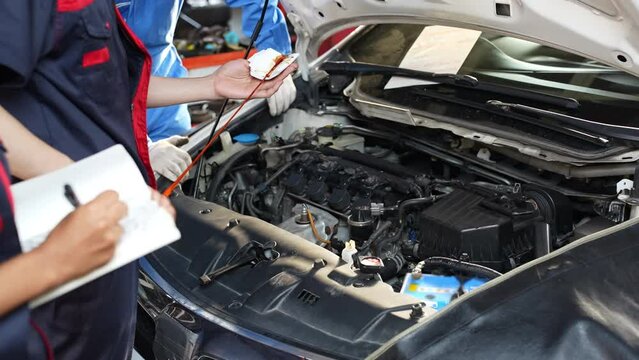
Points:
(369, 264)
(247, 139)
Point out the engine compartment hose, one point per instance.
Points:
(280, 148)
(254, 211)
(223, 170)
(457, 265)
(261, 187)
(381, 229)
(392, 266)
(413, 202)
(316, 233)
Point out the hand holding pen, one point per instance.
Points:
(86, 238)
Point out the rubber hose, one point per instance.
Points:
(223, 171)
(261, 187)
(461, 266)
(389, 240)
(412, 202)
(376, 234)
(392, 266)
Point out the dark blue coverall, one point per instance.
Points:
(76, 77)
(15, 327)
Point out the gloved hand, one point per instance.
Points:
(283, 98)
(167, 159)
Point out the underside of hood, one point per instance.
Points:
(603, 30)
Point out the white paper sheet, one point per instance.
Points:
(40, 205)
(438, 49)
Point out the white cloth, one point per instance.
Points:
(167, 159)
(283, 98)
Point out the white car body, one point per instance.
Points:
(603, 30)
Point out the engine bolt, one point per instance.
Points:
(231, 224)
(417, 311)
(303, 218)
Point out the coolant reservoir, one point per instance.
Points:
(230, 147)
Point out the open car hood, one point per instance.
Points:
(603, 30)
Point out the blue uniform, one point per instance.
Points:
(274, 33)
(154, 21)
(15, 327)
(76, 77)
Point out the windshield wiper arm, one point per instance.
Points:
(615, 131)
(346, 67)
(459, 80)
(547, 124)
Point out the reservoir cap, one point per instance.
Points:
(247, 139)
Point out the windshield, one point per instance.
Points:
(606, 94)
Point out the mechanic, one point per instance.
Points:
(83, 241)
(154, 21)
(75, 76)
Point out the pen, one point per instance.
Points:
(70, 195)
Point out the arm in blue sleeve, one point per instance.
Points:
(274, 32)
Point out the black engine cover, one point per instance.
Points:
(308, 296)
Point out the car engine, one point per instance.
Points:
(385, 207)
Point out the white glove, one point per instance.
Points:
(283, 98)
(167, 159)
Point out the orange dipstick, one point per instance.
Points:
(177, 181)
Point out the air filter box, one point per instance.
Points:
(495, 230)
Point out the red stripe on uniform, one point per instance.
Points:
(95, 57)
(44, 338)
(139, 102)
(73, 5)
(6, 184)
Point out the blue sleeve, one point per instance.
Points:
(274, 32)
(25, 35)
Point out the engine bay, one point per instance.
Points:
(387, 207)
